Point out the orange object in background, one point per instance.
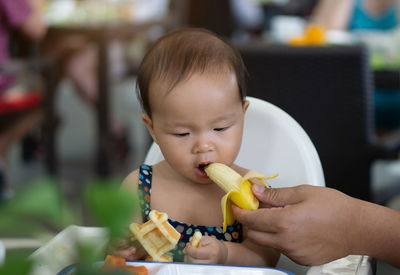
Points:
(113, 263)
(313, 35)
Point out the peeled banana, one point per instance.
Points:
(195, 239)
(238, 189)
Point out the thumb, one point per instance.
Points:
(205, 240)
(276, 197)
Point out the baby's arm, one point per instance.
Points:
(125, 248)
(333, 14)
(130, 184)
(213, 251)
(249, 253)
(209, 251)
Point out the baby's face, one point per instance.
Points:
(198, 122)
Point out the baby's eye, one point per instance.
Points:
(220, 129)
(182, 134)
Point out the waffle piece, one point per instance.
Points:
(156, 236)
(195, 239)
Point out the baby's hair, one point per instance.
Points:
(179, 54)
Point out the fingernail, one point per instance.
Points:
(257, 188)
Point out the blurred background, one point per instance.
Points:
(68, 106)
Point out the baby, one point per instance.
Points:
(191, 85)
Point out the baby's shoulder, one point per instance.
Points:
(131, 181)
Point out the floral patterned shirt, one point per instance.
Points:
(233, 233)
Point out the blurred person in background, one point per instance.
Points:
(241, 19)
(366, 15)
(357, 14)
(24, 15)
(297, 8)
(76, 59)
(248, 17)
(254, 17)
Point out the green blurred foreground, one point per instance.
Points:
(41, 210)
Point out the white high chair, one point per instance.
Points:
(273, 142)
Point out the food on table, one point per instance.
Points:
(195, 239)
(313, 35)
(114, 263)
(156, 236)
(238, 189)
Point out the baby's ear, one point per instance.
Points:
(246, 105)
(149, 124)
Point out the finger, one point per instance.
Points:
(140, 254)
(189, 250)
(259, 188)
(206, 240)
(125, 253)
(262, 219)
(264, 238)
(277, 197)
(189, 259)
(199, 253)
(195, 254)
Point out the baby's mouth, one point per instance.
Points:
(203, 165)
(201, 168)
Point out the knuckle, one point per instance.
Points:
(271, 195)
(284, 225)
(288, 245)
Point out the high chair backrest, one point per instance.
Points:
(273, 142)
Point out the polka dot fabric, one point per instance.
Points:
(233, 233)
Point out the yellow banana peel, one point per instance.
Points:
(238, 189)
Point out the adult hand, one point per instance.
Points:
(210, 251)
(34, 26)
(309, 224)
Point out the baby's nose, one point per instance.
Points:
(203, 147)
